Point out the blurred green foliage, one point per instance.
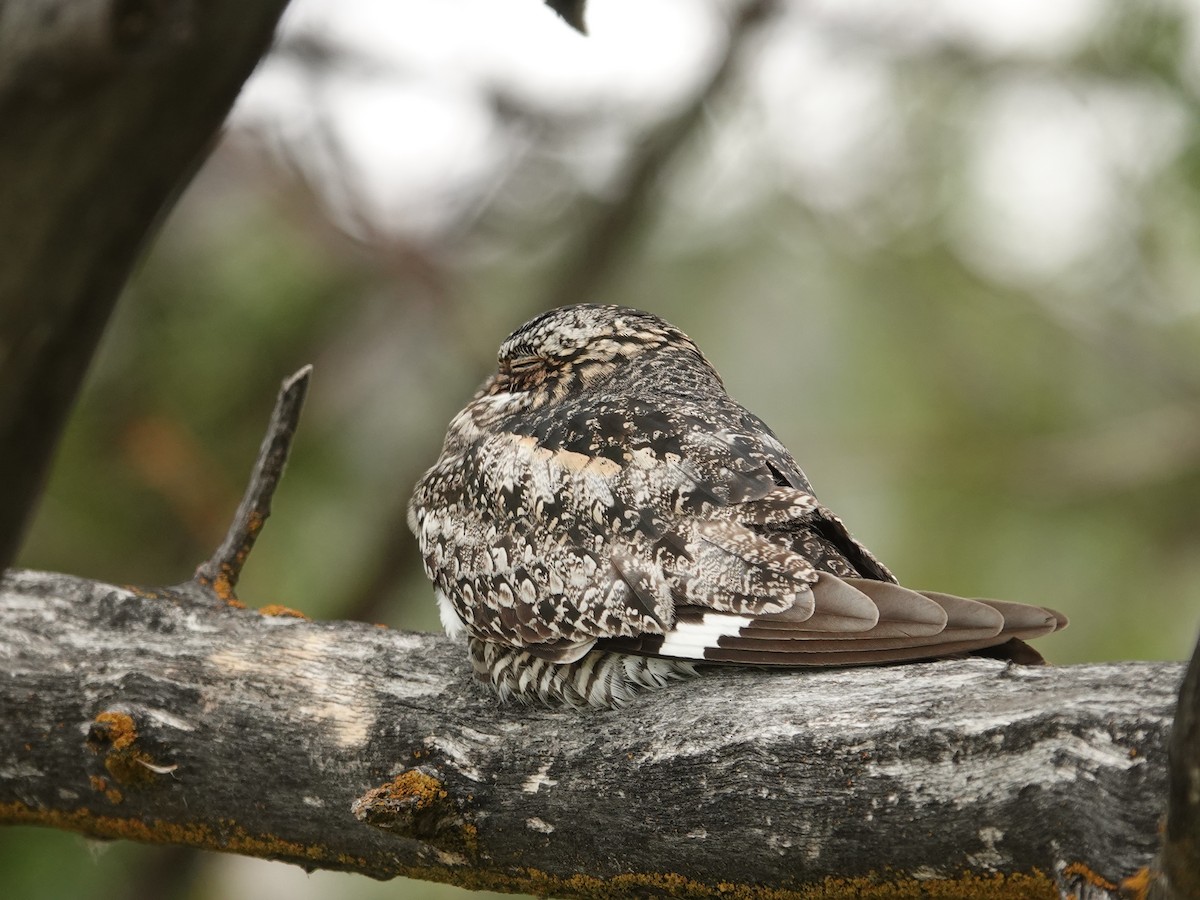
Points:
(1025, 438)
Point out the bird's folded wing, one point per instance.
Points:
(854, 622)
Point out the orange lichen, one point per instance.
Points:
(230, 837)
(278, 609)
(1137, 885)
(470, 836)
(100, 785)
(414, 785)
(115, 735)
(117, 730)
(1028, 886)
(1079, 870)
(415, 804)
(253, 527)
(222, 586)
(222, 583)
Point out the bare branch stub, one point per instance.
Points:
(221, 571)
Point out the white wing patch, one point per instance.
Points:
(689, 640)
(451, 623)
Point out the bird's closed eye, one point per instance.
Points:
(524, 364)
(522, 373)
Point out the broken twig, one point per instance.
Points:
(221, 571)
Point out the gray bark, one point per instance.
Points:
(106, 109)
(169, 716)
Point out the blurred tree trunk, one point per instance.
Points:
(108, 107)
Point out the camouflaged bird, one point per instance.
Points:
(604, 518)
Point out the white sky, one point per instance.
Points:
(418, 138)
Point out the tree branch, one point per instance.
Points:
(150, 716)
(108, 106)
(221, 571)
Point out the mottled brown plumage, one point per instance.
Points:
(604, 517)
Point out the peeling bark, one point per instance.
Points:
(155, 716)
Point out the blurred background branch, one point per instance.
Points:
(616, 226)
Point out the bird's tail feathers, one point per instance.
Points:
(854, 622)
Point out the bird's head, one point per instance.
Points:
(575, 348)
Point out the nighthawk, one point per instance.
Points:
(604, 518)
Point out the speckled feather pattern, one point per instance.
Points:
(599, 482)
